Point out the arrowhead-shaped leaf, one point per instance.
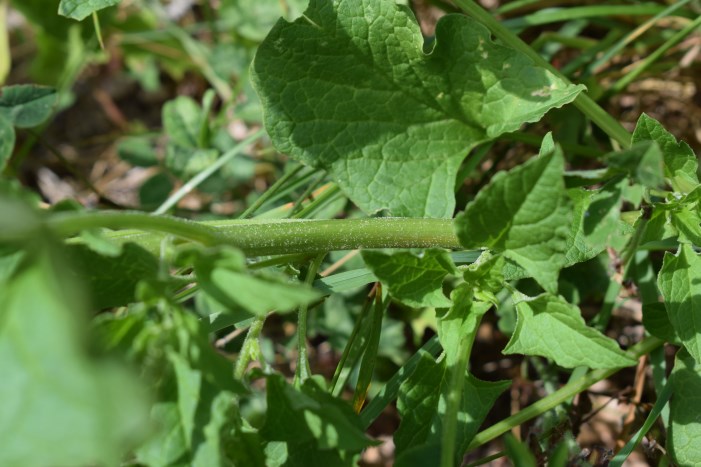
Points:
(549, 326)
(679, 159)
(680, 283)
(349, 88)
(524, 213)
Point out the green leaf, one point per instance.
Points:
(349, 88)
(679, 281)
(518, 452)
(687, 221)
(78, 410)
(459, 323)
(189, 381)
(182, 118)
(679, 159)
(222, 274)
(27, 105)
(310, 413)
(420, 403)
(167, 445)
(155, 191)
(656, 322)
(643, 162)
(415, 279)
(253, 19)
(685, 423)
(210, 451)
(524, 213)
(225, 442)
(112, 280)
(550, 327)
(138, 151)
(7, 142)
(81, 9)
(596, 221)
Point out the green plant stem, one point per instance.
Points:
(195, 181)
(249, 344)
(628, 78)
(454, 398)
(315, 236)
(67, 224)
(98, 29)
(302, 372)
(583, 102)
(563, 394)
(261, 237)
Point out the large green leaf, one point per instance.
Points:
(414, 279)
(81, 9)
(680, 283)
(26, 105)
(679, 159)
(60, 407)
(549, 326)
(525, 213)
(685, 410)
(349, 87)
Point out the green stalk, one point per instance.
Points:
(583, 102)
(562, 395)
(454, 398)
(70, 223)
(261, 237)
(98, 30)
(314, 236)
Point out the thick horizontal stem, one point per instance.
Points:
(311, 236)
(268, 237)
